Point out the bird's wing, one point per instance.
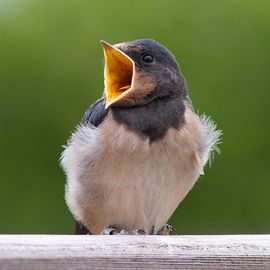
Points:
(93, 116)
(96, 113)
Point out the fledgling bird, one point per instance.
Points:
(140, 148)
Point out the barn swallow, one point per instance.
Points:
(140, 148)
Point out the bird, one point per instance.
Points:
(140, 148)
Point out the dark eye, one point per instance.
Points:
(148, 58)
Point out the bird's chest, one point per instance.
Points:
(140, 183)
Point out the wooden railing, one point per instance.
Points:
(27, 252)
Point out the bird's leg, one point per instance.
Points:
(166, 230)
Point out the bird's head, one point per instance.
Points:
(140, 71)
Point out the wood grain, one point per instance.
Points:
(26, 252)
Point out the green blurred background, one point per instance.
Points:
(51, 69)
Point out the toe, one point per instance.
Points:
(138, 232)
(166, 230)
(110, 231)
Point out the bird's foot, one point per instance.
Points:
(113, 231)
(138, 232)
(166, 230)
(110, 231)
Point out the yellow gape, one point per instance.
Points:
(118, 73)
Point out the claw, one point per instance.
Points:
(166, 230)
(110, 231)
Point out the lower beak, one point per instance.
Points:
(119, 71)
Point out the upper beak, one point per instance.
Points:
(119, 72)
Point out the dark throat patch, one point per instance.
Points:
(153, 119)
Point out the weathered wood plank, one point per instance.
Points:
(27, 252)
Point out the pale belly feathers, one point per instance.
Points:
(116, 178)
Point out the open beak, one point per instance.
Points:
(118, 73)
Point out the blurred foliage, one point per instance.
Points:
(51, 70)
